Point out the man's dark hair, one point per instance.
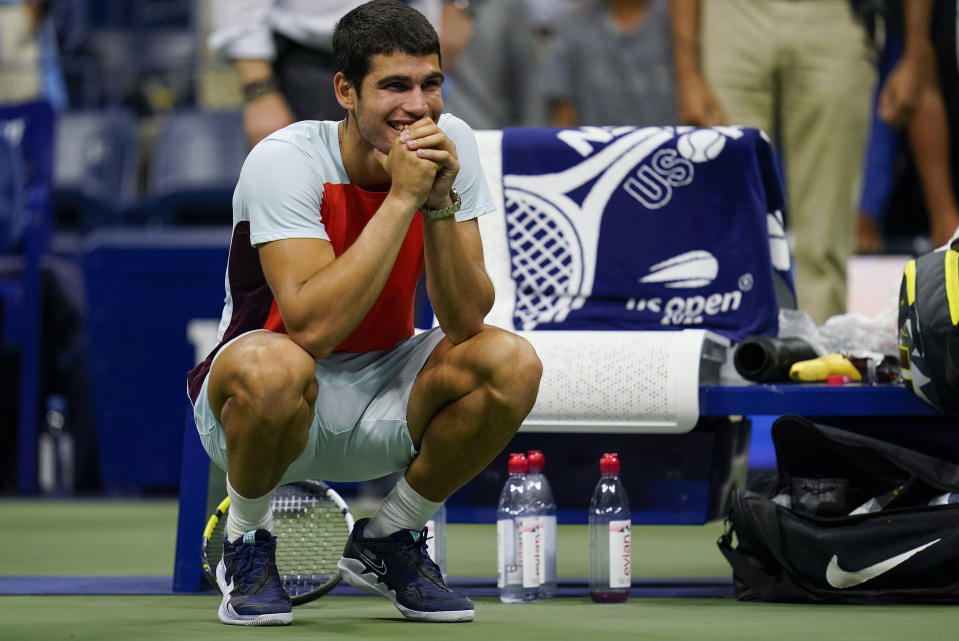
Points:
(380, 27)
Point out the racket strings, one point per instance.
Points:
(311, 535)
(542, 260)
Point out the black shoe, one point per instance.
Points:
(250, 582)
(399, 568)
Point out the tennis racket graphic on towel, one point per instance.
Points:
(311, 523)
(553, 239)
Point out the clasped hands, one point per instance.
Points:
(422, 164)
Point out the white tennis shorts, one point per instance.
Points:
(359, 429)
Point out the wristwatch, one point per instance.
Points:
(446, 212)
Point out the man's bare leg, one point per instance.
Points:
(262, 389)
(465, 406)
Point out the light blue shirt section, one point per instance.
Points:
(280, 189)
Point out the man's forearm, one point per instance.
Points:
(684, 20)
(253, 70)
(916, 14)
(320, 309)
(459, 288)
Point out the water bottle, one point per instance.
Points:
(609, 536)
(544, 507)
(55, 471)
(517, 538)
(436, 538)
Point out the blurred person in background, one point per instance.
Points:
(29, 60)
(907, 37)
(489, 60)
(610, 63)
(803, 72)
(545, 17)
(282, 53)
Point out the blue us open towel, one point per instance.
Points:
(645, 228)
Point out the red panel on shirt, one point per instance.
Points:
(345, 211)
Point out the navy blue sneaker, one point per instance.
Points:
(250, 582)
(399, 568)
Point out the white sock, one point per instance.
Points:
(247, 514)
(403, 509)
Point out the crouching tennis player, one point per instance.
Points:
(318, 372)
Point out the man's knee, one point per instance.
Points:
(496, 372)
(513, 369)
(267, 376)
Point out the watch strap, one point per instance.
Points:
(446, 212)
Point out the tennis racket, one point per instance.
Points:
(311, 523)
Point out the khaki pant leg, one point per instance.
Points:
(737, 56)
(828, 74)
(19, 56)
(803, 71)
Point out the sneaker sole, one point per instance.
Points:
(229, 616)
(352, 572)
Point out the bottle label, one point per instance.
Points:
(508, 570)
(547, 528)
(431, 539)
(619, 554)
(531, 550)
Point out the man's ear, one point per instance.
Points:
(345, 94)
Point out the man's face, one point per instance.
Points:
(398, 90)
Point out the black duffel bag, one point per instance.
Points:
(848, 519)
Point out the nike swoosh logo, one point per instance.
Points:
(377, 566)
(227, 587)
(841, 579)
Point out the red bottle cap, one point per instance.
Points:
(517, 463)
(609, 463)
(536, 460)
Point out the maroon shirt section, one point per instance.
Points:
(252, 299)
